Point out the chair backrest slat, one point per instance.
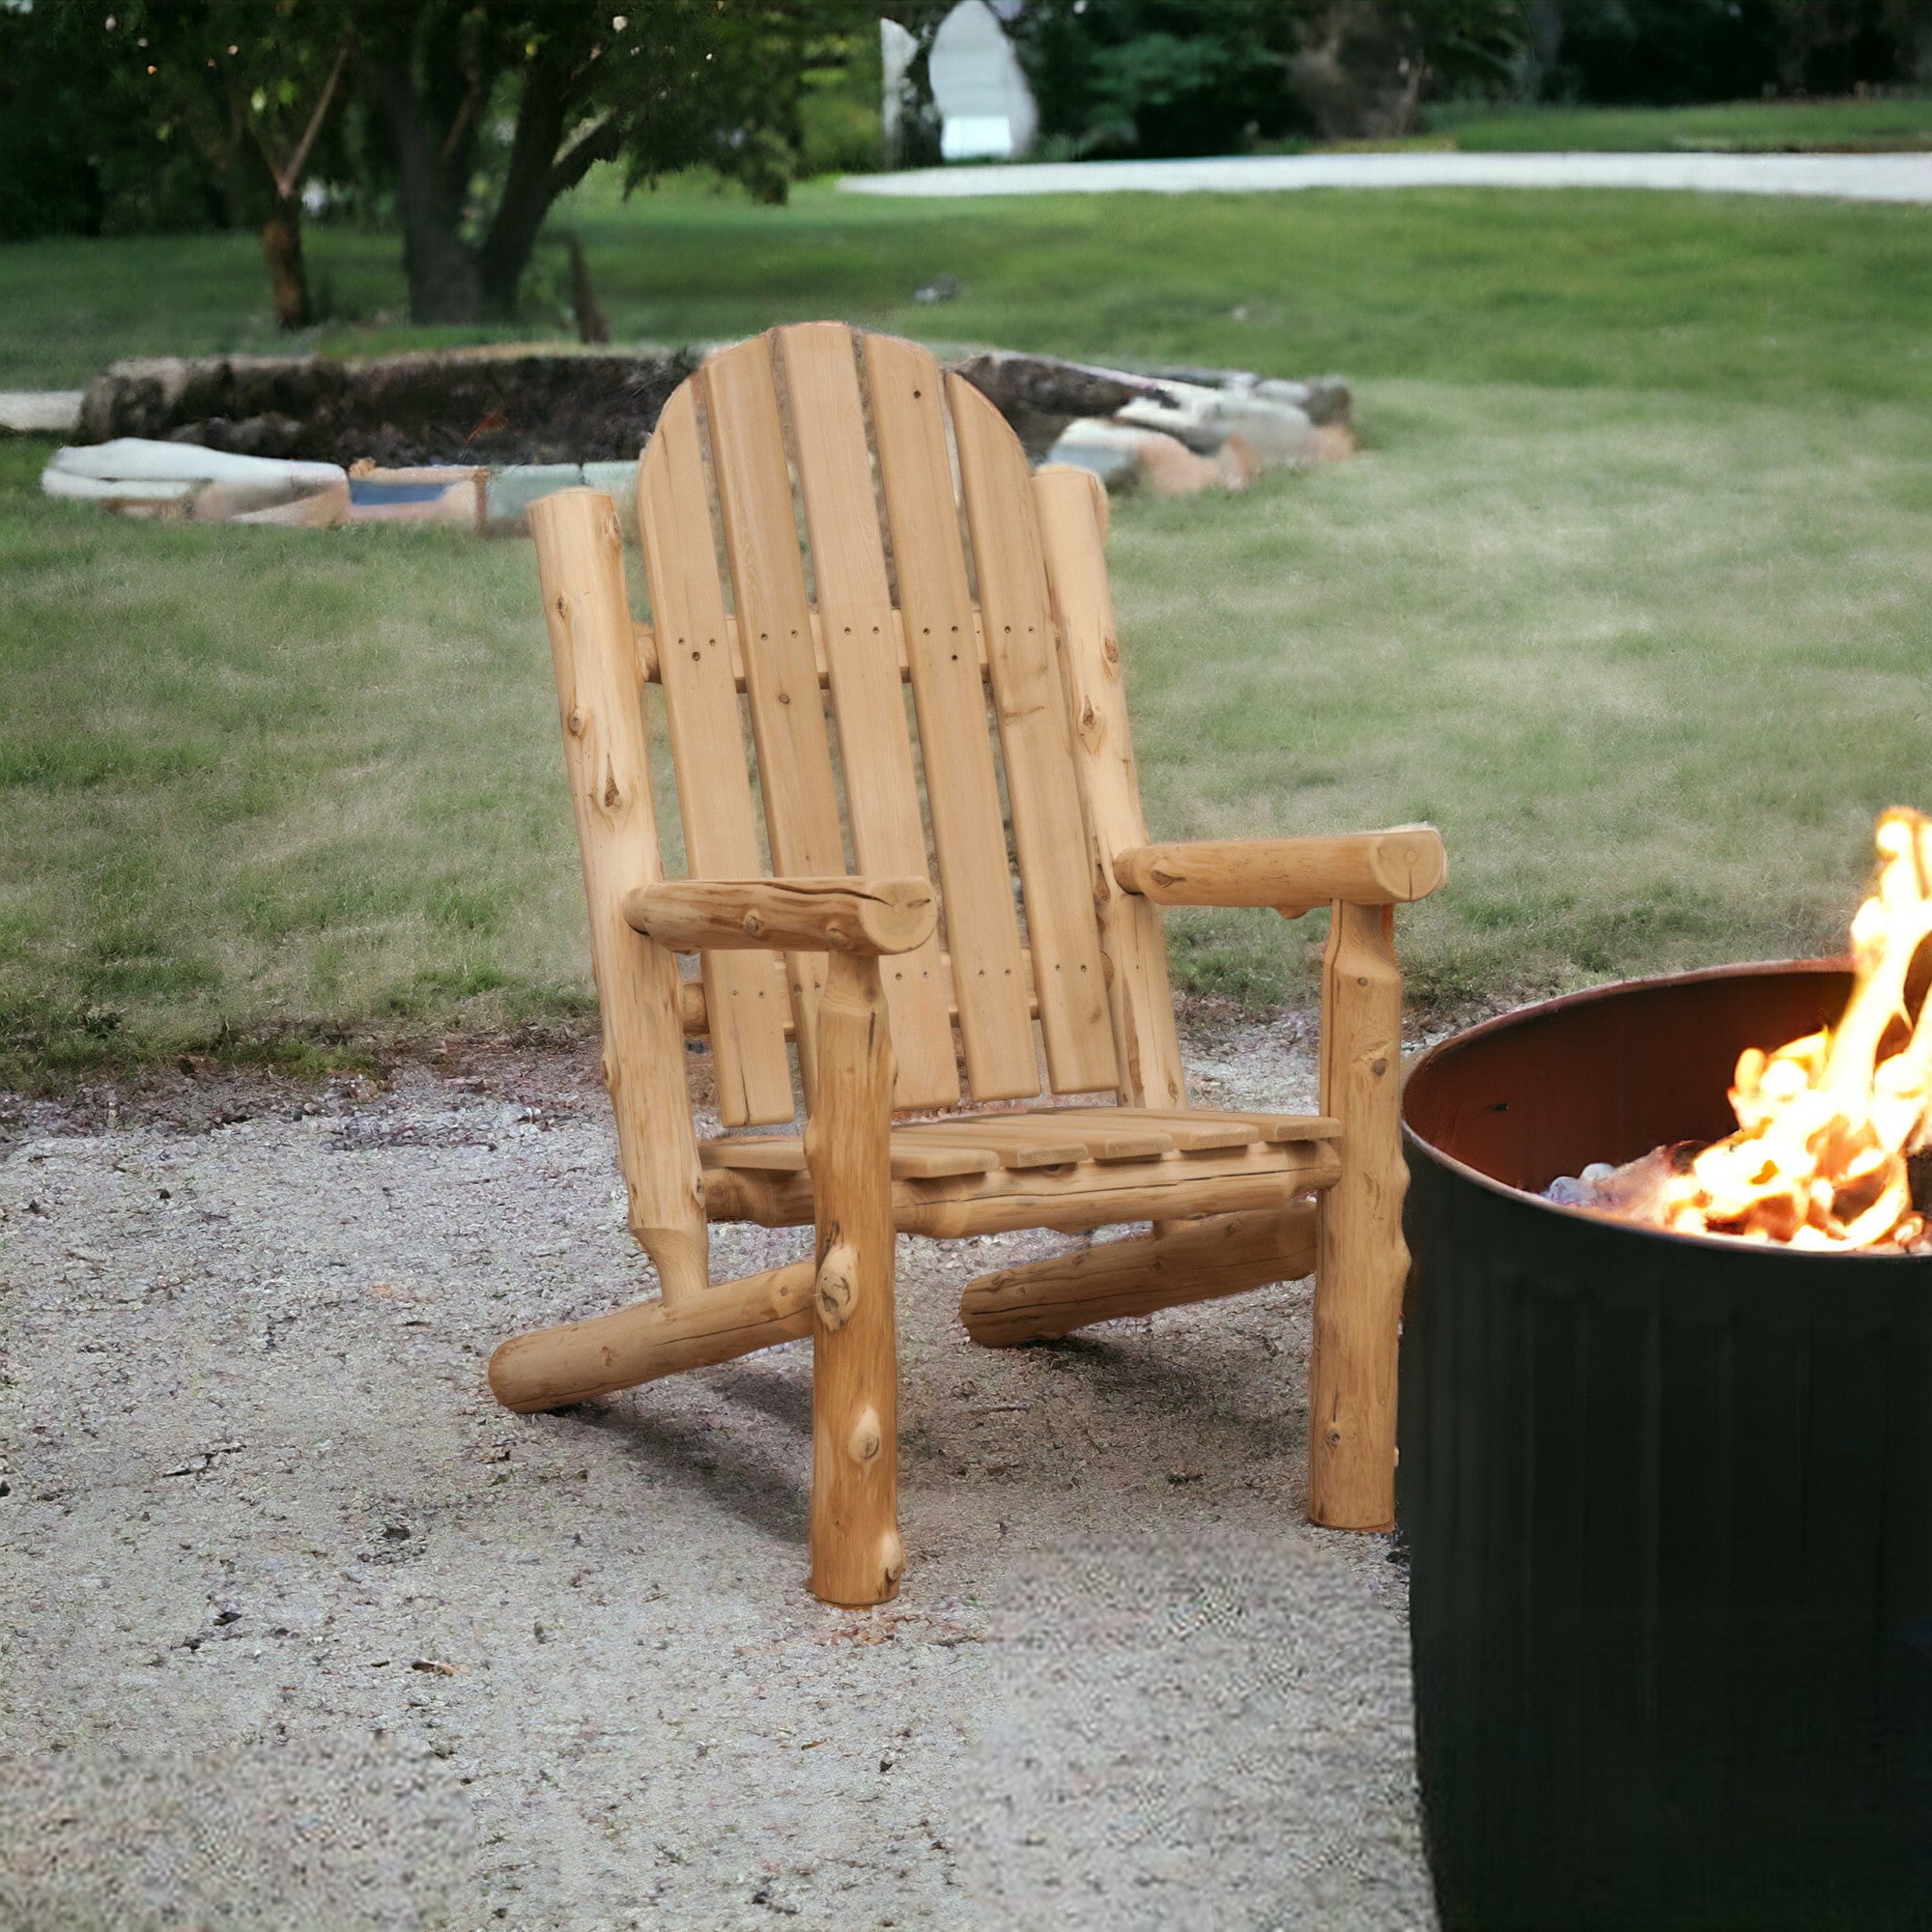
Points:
(745, 1007)
(962, 790)
(1070, 507)
(754, 502)
(859, 628)
(1043, 786)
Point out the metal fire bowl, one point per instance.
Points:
(1667, 1501)
(1608, 1074)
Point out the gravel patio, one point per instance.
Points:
(301, 1629)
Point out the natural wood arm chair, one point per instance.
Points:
(820, 466)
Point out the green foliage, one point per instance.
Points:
(1161, 76)
(1664, 51)
(79, 152)
(1216, 76)
(494, 108)
(1890, 123)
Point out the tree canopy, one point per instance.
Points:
(493, 109)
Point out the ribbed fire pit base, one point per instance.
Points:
(1669, 1501)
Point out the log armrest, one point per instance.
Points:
(836, 915)
(1291, 874)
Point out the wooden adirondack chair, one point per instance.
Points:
(824, 512)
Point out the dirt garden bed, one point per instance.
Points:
(468, 406)
(1171, 431)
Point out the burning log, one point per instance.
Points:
(1832, 1127)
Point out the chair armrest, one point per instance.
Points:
(838, 914)
(1363, 869)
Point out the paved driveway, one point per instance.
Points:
(1901, 178)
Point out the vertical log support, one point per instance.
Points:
(856, 1553)
(600, 689)
(1361, 1262)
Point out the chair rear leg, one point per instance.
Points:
(856, 1553)
(1361, 1262)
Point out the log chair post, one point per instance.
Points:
(856, 1553)
(600, 690)
(1361, 1262)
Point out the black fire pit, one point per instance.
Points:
(1667, 1499)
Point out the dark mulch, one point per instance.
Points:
(485, 406)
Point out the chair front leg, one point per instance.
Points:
(856, 1553)
(1361, 1262)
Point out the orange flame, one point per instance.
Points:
(1826, 1123)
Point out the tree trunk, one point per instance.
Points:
(288, 272)
(443, 281)
(527, 190)
(536, 176)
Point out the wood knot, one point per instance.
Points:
(868, 1437)
(838, 1289)
(891, 1555)
(1378, 1067)
(574, 723)
(752, 924)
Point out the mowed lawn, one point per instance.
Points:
(1893, 124)
(1629, 593)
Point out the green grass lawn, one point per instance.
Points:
(1742, 127)
(1629, 593)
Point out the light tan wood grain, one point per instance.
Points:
(600, 696)
(962, 792)
(836, 915)
(913, 1157)
(1364, 867)
(857, 1557)
(1187, 1131)
(746, 1011)
(1146, 1049)
(554, 1367)
(697, 1014)
(1097, 1131)
(1036, 745)
(1071, 1197)
(647, 643)
(1197, 1260)
(1363, 1262)
(860, 641)
(755, 505)
(1015, 1146)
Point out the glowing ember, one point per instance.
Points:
(1825, 1123)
